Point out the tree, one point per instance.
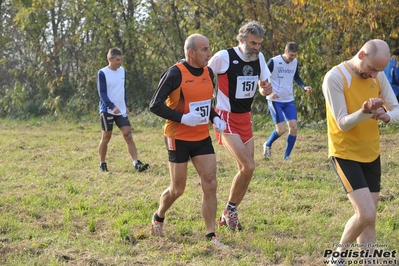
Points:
(52, 49)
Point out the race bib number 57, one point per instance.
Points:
(203, 108)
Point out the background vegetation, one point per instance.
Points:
(57, 209)
(52, 49)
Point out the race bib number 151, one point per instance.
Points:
(246, 86)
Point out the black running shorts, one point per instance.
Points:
(355, 175)
(107, 121)
(184, 150)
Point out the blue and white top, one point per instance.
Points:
(392, 73)
(283, 75)
(111, 89)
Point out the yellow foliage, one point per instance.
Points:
(299, 2)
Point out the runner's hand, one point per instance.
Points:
(219, 124)
(265, 88)
(191, 119)
(371, 105)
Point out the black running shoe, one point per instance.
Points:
(103, 167)
(139, 166)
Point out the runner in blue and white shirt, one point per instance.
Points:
(392, 72)
(284, 69)
(111, 82)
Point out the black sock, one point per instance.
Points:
(210, 235)
(231, 206)
(158, 219)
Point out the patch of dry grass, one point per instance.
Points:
(57, 209)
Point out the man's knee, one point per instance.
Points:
(368, 217)
(209, 186)
(106, 137)
(280, 131)
(293, 131)
(248, 168)
(128, 136)
(176, 192)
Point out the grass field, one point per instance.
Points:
(56, 208)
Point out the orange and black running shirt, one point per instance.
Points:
(181, 88)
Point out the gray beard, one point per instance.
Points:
(252, 57)
(248, 55)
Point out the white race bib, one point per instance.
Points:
(203, 108)
(246, 86)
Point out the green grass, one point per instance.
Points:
(57, 209)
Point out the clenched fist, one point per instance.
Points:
(265, 88)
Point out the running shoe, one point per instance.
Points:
(337, 261)
(229, 218)
(267, 152)
(217, 244)
(287, 158)
(156, 227)
(139, 166)
(103, 167)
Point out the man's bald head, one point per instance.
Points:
(378, 52)
(372, 58)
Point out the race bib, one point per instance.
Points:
(203, 108)
(246, 86)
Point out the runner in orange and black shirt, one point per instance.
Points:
(183, 98)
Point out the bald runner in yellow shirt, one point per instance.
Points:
(357, 95)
